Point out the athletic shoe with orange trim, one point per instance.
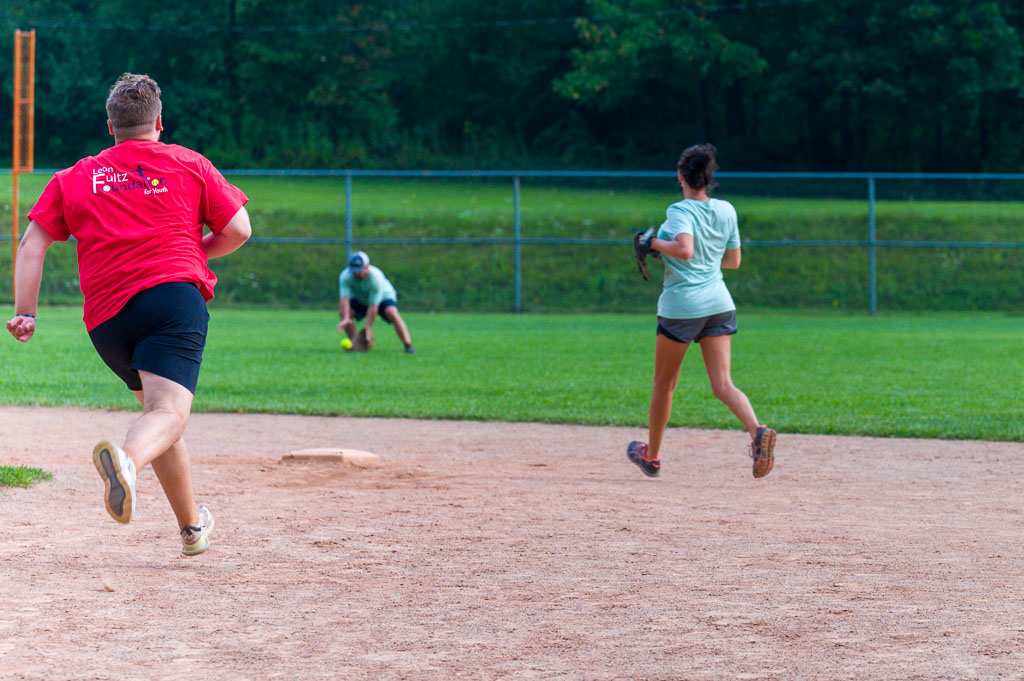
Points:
(637, 453)
(762, 451)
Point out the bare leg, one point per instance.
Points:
(400, 328)
(156, 437)
(668, 357)
(174, 472)
(165, 409)
(717, 352)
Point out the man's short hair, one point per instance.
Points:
(134, 102)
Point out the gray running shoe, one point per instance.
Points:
(118, 472)
(195, 540)
(637, 453)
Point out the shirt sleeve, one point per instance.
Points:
(344, 290)
(221, 199)
(734, 232)
(49, 210)
(677, 221)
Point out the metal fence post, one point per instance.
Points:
(348, 215)
(518, 244)
(873, 282)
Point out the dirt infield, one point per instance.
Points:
(514, 551)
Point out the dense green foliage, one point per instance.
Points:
(949, 376)
(780, 85)
(592, 278)
(20, 476)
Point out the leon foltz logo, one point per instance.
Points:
(108, 180)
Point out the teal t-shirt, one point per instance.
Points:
(695, 288)
(370, 291)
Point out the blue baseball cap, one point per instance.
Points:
(358, 261)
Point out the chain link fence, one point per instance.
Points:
(553, 241)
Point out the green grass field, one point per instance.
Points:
(937, 375)
(928, 375)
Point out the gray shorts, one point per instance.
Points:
(687, 330)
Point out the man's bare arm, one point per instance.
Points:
(228, 240)
(27, 275)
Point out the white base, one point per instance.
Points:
(355, 457)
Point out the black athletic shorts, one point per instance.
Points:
(161, 330)
(359, 310)
(686, 330)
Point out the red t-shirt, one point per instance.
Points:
(137, 211)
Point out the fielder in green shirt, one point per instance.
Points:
(364, 291)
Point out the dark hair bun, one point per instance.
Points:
(698, 165)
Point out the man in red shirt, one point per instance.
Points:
(137, 211)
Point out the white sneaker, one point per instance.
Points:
(118, 471)
(195, 540)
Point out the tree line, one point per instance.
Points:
(609, 84)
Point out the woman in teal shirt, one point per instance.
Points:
(698, 238)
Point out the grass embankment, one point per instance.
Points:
(934, 375)
(602, 278)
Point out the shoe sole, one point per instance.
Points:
(767, 461)
(117, 495)
(202, 544)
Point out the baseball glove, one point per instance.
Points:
(360, 343)
(642, 247)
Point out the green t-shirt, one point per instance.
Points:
(370, 291)
(694, 288)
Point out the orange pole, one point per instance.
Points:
(24, 139)
(15, 158)
(30, 100)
